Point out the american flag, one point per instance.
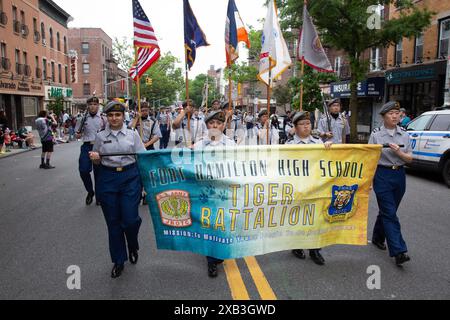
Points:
(145, 40)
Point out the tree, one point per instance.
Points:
(123, 53)
(344, 25)
(167, 81)
(196, 89)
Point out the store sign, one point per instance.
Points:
(416, 74)
(372, 87)
(57, 92)
(24, 87)
(73, 56)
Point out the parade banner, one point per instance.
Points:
(246, 201)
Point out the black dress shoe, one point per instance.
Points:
(299, 253)
(401, 258)
(117, 270)
(212, 269)
(133, 256)
(42, 166)
(316, 257)
(89, 198)
(379, 245)
(48, 166)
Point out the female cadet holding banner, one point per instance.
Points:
(389, 182)
(119, 185)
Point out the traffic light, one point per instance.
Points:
(149, 81)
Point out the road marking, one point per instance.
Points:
(235, 282)
(263, 286)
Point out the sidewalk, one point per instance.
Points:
(17, 151)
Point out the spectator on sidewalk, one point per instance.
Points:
(44, 124)
(26, 136)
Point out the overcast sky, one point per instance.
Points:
(166, 16)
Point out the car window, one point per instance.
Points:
(420, 123)
(441, 123)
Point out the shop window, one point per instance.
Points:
(29, 107)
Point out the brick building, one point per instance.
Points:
(417, 66)
(34, 63)
(93, 66)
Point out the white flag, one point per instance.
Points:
(310, 48)
(274, 53)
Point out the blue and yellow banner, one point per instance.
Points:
(246, 201)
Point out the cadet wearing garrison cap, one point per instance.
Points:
(389, 182)
(261, 128)
(302, 125)
(215, 122)
(86, 129)
(192, 133)
(335, 127)
(119, 185)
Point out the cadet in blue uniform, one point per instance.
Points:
(389, 182)
(86, 129)
(303, 128)
(119, 185)
(215, 122)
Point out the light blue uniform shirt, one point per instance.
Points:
(309, 140)
(337, 128)
(388, 156)
(91, 126)
(123, 141)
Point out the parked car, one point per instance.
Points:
(430, 141)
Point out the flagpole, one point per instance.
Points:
(268, 104)
(302, 72)
(188, 144)
(138, 83)
(230, 88)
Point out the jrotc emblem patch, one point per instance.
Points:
(343, 203)
(175, 208)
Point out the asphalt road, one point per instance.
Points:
(46, 227)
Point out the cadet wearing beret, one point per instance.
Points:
(302, 126)
(261, 129)
(339, 125)
(86, 129)
(215, 121)
(119, 185)
(389, 182)
(188, 134)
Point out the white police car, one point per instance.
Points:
(430, 141)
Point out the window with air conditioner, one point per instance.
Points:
(375, 64)
(399, 52)
(418, 50)
(337, 65)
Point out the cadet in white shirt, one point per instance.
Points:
(303, 128)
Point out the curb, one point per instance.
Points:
(3, 156)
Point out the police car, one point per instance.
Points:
(430, 141)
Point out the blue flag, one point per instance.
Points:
(193, 35)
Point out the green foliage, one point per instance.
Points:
(196, 88)
(123, 53)
(312, 79)
(57, 105)
(241, 72)
(343, 25)
(167, 80)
